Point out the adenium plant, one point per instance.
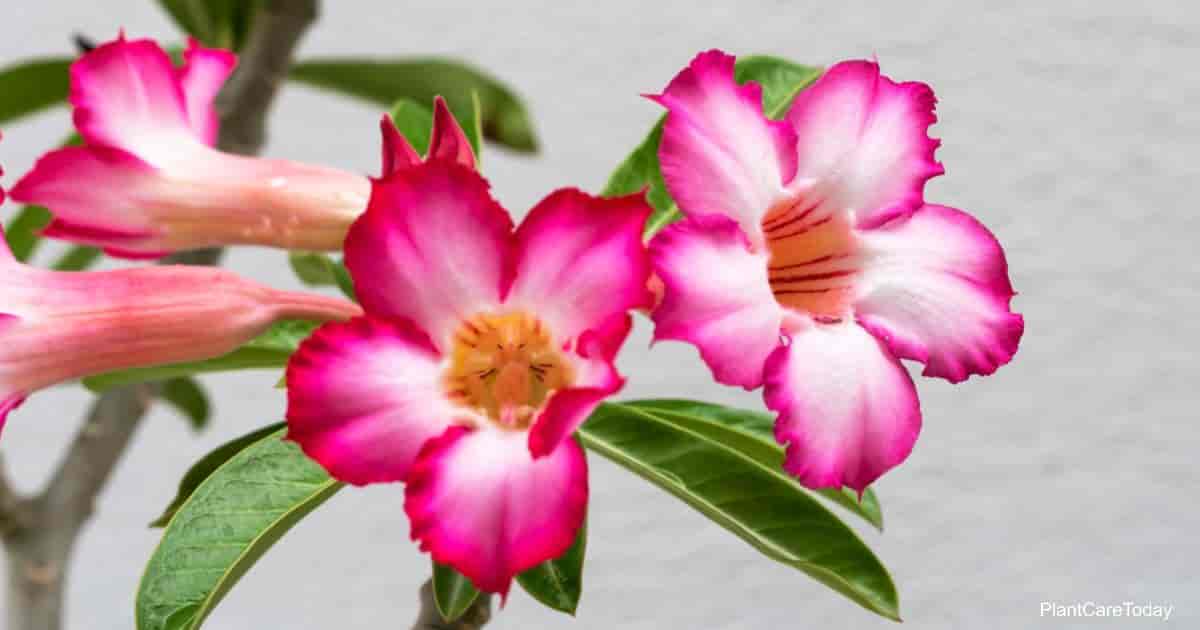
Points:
(775, 219)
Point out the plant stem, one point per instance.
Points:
(429, 618)
(39, 532)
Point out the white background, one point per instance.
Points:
(1070, 129)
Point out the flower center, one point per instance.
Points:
(812, 263)
(505, 366)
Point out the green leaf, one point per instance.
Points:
(22, 231)
(414, 121)
(218, 23)
(224, 527)
(474, 127)
(452, 592)
(753, 500)
(321, 270)
(203, 468)
(753, 433)
(186, 396)
(385, 81)
(78, 258)
(28, 87)
(781, 81)
(558, 583)
(269, 350)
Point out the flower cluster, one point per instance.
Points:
(807, 263)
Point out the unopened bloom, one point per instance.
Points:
(481, 351)
(58, 326)
(148, 182)
(809, 263)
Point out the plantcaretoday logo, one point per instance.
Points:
(1092, 609)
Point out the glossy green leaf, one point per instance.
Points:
(188, 398)
(269, 350)
(233, 517)
(203, 468)
(30, 86)
(558, 583)
(754, 435)
(385, 81)
(781, 81)
(78, 258)
(452, 592)
(321, 270)
(414, 121)
(705, 468)
(218, 23)
(22, 231)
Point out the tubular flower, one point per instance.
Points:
(481, 351)
(809, 263)
(58, 326)
(147, 180)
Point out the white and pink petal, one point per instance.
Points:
(716, 296)
(848, 411)
(862, 138)
(720, 154)
(481, 503)
(580, 260)
(432, 247)
(935, 288)
(364, 396)
(204, 72)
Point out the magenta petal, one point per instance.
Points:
(848, 411)
(397, 153)
(580, 260)
(96, 195)
(720, 154)
(363, 396)
(9, 402)
(478, 501)
(716, 297)
(596, 379)
(864, 138)
(448, 141)
(937, 291)
(204, 72)
(432, 247)
(127, 95)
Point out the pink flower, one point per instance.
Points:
(809, 262)
(481, 351)
(148, 182)
(59, 326)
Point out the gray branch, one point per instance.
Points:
(40, 532)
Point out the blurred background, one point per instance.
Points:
(1070, 128)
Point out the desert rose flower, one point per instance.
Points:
(58, 326)
(481, 351)
(809, 263)
(148, 182)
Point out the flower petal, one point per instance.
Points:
(478, 501)
(580, 260)
(720, 154)
(596, 379)
(936, 290)
(204, 72)
(8, 402)
(716, 297)
(848, 410)
(397, 153)
(364, 395)
(447, 140)
(96, 195)
(863, 136)
(433, 247)
(127, 96)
